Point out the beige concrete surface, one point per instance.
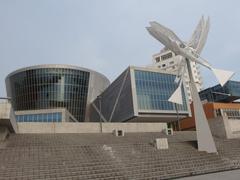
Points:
(227, 175)
(71, 127)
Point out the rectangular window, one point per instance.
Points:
(154, 89)
(166, 56)
(157, 59)
(50, 117)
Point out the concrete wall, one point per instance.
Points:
(89, 127)
(7, 116)
(234, 125)
(217, 127)
(234, 128)
(223, 127)
(5, 108)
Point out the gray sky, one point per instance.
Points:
(109, 35)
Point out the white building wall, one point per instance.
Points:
(223, 127)
(168, 61)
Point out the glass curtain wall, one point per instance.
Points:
(44, 117)
(154, 89)
(48, 88)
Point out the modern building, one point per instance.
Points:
(166, 60)
(48, 88)
(169, 61)
(221, 111)
(223, 118)
(140, 95)
(228, 93)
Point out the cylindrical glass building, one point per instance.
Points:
(55, 86)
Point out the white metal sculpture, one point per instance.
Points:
(190, 52)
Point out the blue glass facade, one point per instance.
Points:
(154, 89)
(44, 117)
(49, 88)
(228, 93)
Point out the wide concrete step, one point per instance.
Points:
(74, 156)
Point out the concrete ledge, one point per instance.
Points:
(71, 127)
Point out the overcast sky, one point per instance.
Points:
(109, 35)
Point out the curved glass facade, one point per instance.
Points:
(46, 88)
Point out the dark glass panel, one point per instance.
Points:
(154, 89)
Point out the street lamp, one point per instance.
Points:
(178, 119)
(100, 111)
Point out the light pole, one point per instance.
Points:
(100, 111)
(178, 120)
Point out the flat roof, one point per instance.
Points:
(61, 66)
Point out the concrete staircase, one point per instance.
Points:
(104, 156)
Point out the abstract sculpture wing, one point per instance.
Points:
(165, 36)
(199, 37)
(193, 42)
(222, 75)
(176, 97)
(204, 35)
(171, 41)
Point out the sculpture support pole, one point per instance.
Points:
(204, 136)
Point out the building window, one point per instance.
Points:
(232, 113)
(157, 59)
(45, 117)
(166, 56)
(154, 89)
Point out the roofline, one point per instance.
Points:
(152, 69)
(211, 87)
(42, 66)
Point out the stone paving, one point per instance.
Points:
(104, 156)
(226, 175)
